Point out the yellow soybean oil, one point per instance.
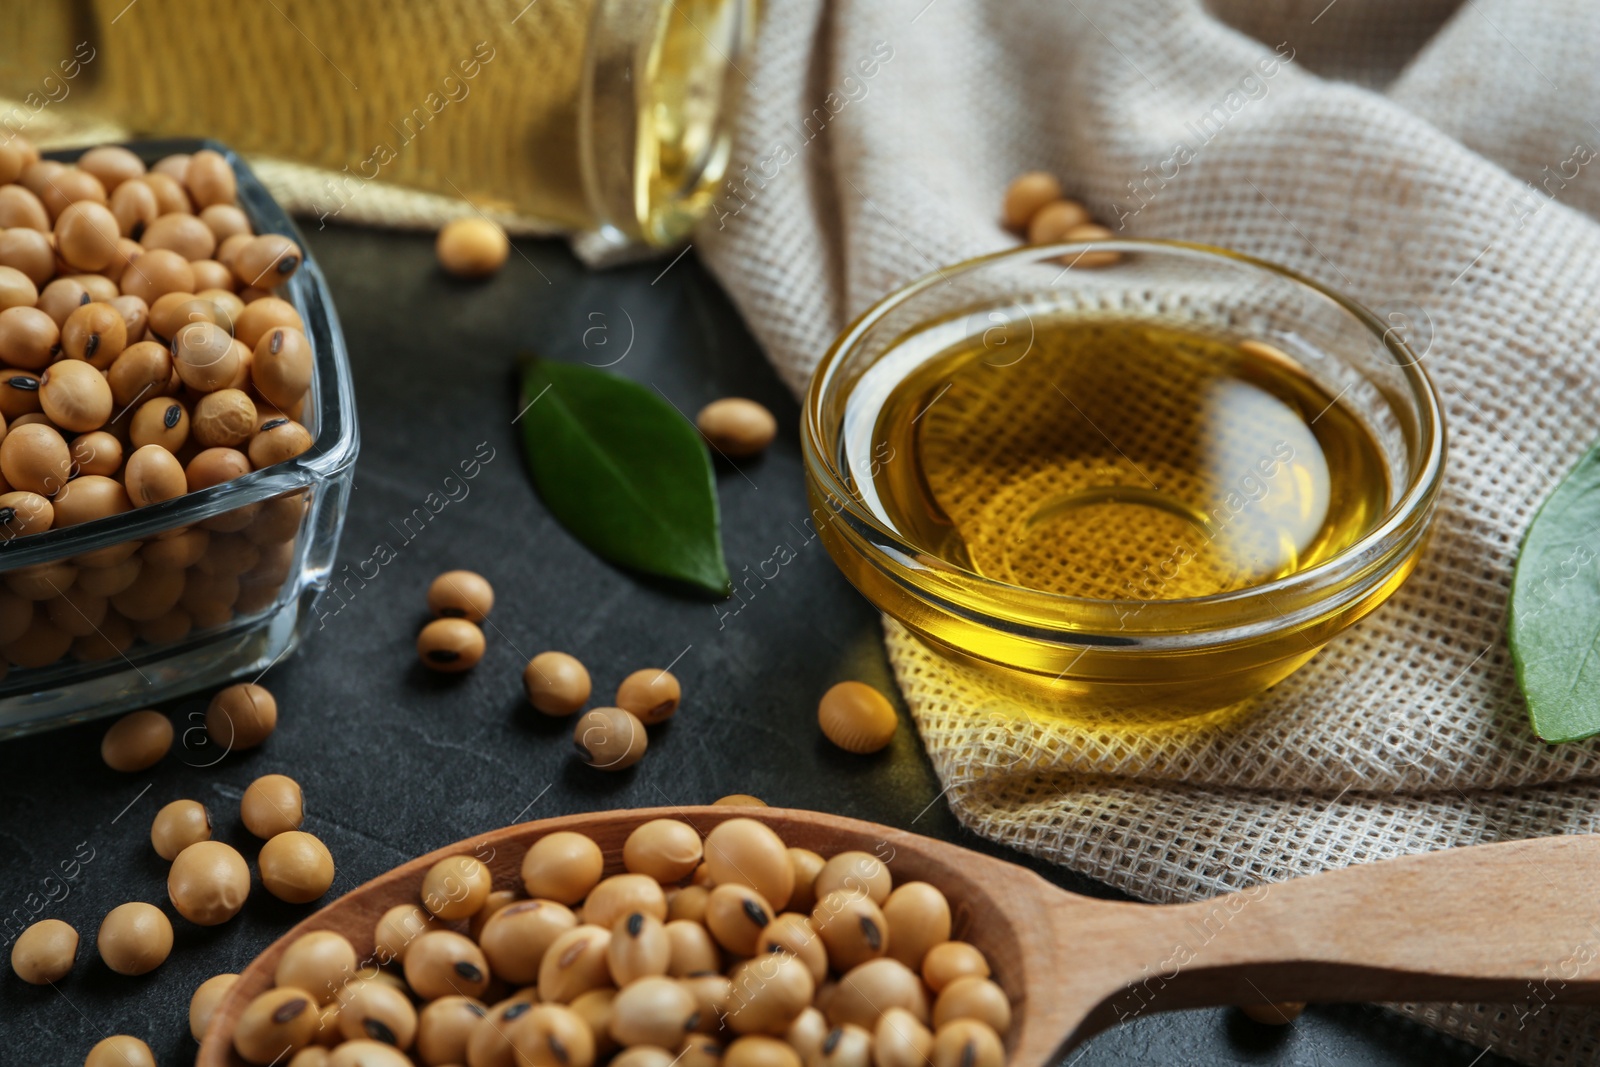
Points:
(1120, 459)
(575, 113)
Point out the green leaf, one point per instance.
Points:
(1555, 609)
(621, 469)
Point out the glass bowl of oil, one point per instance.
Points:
(1138, 480)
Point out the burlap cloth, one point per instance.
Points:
(1434, 163)
(1389, 155)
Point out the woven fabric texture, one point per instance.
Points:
(1429, 162)
(464, 98)
(398, 115)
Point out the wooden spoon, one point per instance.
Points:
(1493, 923)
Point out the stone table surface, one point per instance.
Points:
(396, 761)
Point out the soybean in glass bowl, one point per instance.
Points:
(260, 546)
(1135, 480)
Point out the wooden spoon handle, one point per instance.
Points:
(1504, 923)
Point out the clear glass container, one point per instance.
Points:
(608, 116)
(244, 560)
(1122, 658)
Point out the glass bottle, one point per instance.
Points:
(586, 115)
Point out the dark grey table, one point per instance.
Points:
(396, 760)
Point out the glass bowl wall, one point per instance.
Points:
(244, 560)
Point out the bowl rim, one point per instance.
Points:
(1374, 555)
(337, 440)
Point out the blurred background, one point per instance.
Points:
(551, 115)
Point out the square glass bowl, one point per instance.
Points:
(244, 560)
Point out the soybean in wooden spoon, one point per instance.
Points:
(1469, 924)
